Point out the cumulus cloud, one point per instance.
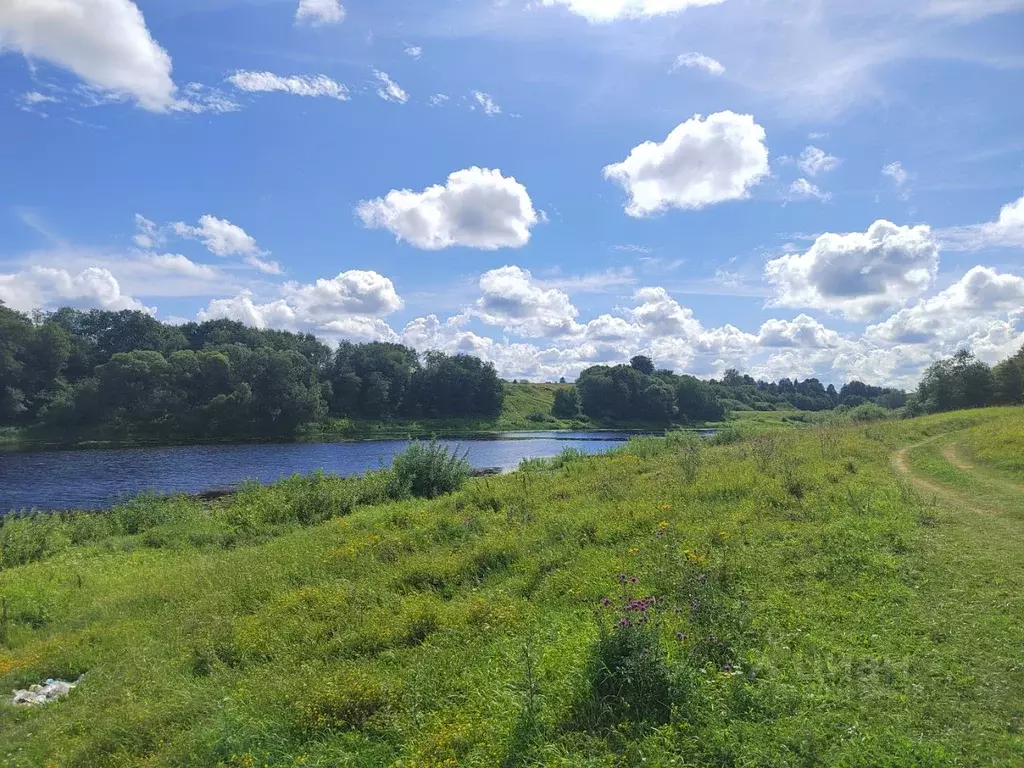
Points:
(297, 85)
(661, 315)
(50, 288)
(813, 161)
(857, 274)
(389, 90)
(802, 189)
(514, 300)
(348, 306)
(414, 51)
(355, 292)
(966, 307)
(244, 309)
(700, 163)
(486, 104)
(803, 332)
(104, 42)
(220, 236)
(602, 11)
(476, 208)
(319, 12)
(694, 60)
(438, 99)
(1006, 231)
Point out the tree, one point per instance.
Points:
(960, 381)
(567, 404)
(643, 364)
(1008, 380)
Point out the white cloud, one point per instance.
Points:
(390, 90)
(897, 173)
(514, 300)
(200, 98)
(50, 288)
(802, 332)
(813, 161)
(147, 234)
(347, 306)
(414, 51)
(968, 306)
(297, 85)
(700, 163)
(476, 208)
(104, 42)
(661, 315)
(858, 274)
(265, 266)
(355, 292)
(802, 189)
(601, 11)
(438, 99)
(1006, 231)
(174, 263)
(486, 104)
(243, 309)
(696, 60)
(31, 101)
(220, 236)
(319, 12)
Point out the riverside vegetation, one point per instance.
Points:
(793, 593)
(74, 377)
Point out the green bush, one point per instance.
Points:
(869, 412)
(428, 470)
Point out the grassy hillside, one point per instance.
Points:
(841, 594)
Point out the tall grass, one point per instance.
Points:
(790, 601)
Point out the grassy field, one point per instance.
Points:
(835, 594)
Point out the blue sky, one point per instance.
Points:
(792, 188)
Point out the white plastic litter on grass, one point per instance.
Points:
(37, 695)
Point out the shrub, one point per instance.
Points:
(869, 412)
(428, 470)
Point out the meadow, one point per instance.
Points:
(797, 592)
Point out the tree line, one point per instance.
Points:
(640, 392)
(964, 381)
(114, 373)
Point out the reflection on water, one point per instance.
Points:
(96, 479)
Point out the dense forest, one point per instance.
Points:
(111, 373)
(104, 374)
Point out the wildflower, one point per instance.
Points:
(625, 623)
(633, 579)
(666, 508)
(623, 578)
(605, 602)
(681, 636)
(728, 668)
(634, 551)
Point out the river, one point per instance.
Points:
(98, 479)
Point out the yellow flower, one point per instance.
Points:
(666, 508)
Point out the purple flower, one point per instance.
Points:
(634, 579)
(625, 623)
(605, 602)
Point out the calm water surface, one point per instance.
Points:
(96, 479)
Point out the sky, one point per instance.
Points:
(791, 188)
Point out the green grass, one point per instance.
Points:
(811, 609)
